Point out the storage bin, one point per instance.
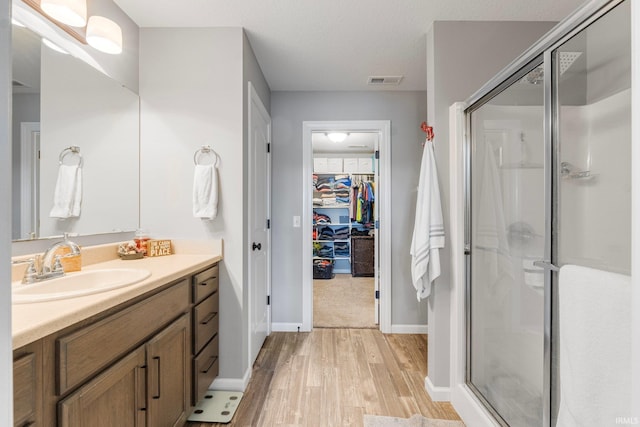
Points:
(323, 271)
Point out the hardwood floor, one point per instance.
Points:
(332, 377)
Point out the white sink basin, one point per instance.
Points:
(77, 284)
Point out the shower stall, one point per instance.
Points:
(548, 226)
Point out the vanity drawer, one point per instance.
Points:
(86, 351)
(24, 389)
(205, 321)
(204, 283)
(205, 369)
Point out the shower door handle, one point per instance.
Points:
(546, 265)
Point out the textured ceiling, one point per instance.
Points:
(337, 44)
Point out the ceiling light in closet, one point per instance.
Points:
(337, 136)
(70, 12)
(104, 35)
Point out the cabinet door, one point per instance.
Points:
(25, 390)
(114, 398)
(168, 379)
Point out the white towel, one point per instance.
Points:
(490, 226)
(595, 347)
(428, 230)
(67, 196)
(205, 192)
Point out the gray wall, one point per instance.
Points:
(6, 357)
(461, 58)
(191, 97)
(406, 110)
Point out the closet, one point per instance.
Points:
(343, 221)
(344, 228)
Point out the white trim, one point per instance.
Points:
(470, 409)
(232, 384)
(254, 100)
(456, 233)
(384, 232)
(410, 329)
(28, 179)
(286, 327)
(635, 205)
(437, 394)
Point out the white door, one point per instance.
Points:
(259, 232)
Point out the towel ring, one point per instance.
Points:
(69, 151)
(206, 150)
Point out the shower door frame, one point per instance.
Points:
(544, 48)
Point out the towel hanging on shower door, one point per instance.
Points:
(428, 230)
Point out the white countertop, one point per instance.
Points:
(31, 322)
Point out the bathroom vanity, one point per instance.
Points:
(140, 355)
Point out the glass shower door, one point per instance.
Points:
(507, 234)
(591, 333)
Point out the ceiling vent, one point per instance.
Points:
(384, 80)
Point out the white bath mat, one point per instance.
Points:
(216, 407)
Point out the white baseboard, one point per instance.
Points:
(409, 329)
(286, 327)
(437, 394)
(470, 409)
(232, 384)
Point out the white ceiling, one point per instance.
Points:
(336, 44)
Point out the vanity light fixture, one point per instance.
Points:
(70, 12)
(104, 35)
(337, 136)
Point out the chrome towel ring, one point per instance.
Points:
(206, 150)
(73, 150)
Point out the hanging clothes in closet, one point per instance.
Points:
(362, 201)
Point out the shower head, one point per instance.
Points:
(567, 59)
(536, 76)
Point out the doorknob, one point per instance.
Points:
(257, 246)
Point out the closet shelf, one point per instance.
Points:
(332, 241)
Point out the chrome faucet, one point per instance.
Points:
(48, 265)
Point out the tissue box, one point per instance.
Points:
(159, 248)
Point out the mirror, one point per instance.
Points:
(60, 101)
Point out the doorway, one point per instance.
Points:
(346, 243)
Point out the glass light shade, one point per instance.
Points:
(337, 136)
(104, 35)
(70, 12)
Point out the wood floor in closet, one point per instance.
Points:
(333, 377)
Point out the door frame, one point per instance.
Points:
(29, 177)
(254, 99)
(383, 190)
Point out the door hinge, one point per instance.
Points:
(268, 299)
(268, 224)
(377, 224)
(377, 155)
(268, 147)
(377, 294)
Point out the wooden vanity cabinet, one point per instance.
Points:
(150, 386)
(27, 385)
(205, 297)
(142, 363)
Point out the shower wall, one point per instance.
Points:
(600, 200)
